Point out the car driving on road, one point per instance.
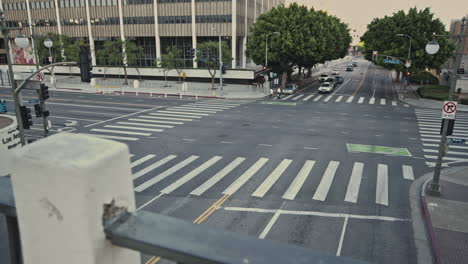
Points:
(332, 81)
(350, 68)
(354, 64)
(323, 77)
(290, 88)
(335, 72)
(339, 79)
(326, 87)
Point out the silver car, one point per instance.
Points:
(290, 88)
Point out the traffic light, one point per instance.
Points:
(375, 54)
(264, 68)
(193, 53)
(408, 75)
(44, 92)
(223, 69)
(86, 66)
(26, 118)
(38, 110)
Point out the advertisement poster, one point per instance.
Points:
(21, 56)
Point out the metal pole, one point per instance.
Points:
(266, 50)
(220, 67)
(16, 100)
(434, 188)
(14, 240)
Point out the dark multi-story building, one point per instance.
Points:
(153, 24)
(455, 28)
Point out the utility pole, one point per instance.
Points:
(434, 188)
(220, 67)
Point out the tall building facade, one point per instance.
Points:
(455, 28)
(155, 25)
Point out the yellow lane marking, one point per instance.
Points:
(200, 219)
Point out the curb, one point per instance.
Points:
(427, 218)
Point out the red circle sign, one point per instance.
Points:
(450, 107)
(40, 76)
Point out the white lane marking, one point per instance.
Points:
(296, 185)
(343, 231)
(338, 99)
(430, 139)
(270, 224)
(381, 194)
(327, 179)
(271, 179)
(197, 109)
(94, 113)
(309, 148)
(174, 115)
(166, 118)
(156, 121)
(340, 87)
(445, 158)
(192, 174)
(350, 99)
(361, 99)
(150, 201)
(143, 124)
(209, 107)
(328, 98)
(316, 213)
(188, 139)
(99, 106)
(451, 146)
(317, 98)
(308, 97)
(71, 118)
(165, 174)
(437, 132)
(112, 119)
(112, 137)
(265, 145)
(406, 105)
(131, 155)
(354, 182)
(394, 103)
(245, 177)
(181, 112)
(382, 101)
(120, 132)
(287, 97)
(226, 142)
(432, 164)
(372, 100)
(153, 166)
(136, 128)
(297, 97)
(408, 172)
(141, 160)
(216, 104)
(217, 177)
(449, 152)
(438, 136)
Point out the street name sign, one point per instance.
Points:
(449, 109)
(456, 140)
(391, 61)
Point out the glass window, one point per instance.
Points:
(82, 3)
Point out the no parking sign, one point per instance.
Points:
(449, 110)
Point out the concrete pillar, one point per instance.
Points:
(90, 34)
(246, 33)
(61, 184)
(156, 32)
(255, 11)
(234, 33)
(57, 16)
(194, 34)
(122, 33)
(31, 31)
(263, 6)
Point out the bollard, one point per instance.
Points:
(180, 95)
(60, 210)
(196, 96)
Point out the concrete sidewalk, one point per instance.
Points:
(446, 217)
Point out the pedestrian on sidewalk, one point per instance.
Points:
(271, 92)
(279, 92)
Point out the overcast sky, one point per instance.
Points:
(358, 13)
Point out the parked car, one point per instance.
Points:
(323, 77)
(339, 79)
(290, 88)
(354, 64)
(326, 87)
(332, 80)
(350, 68)
(335, 72)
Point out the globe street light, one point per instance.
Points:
(48, 44)
(22, 41)
(432, 47)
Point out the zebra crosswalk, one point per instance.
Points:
(429, 123)
(148, 123)
(262, 177)
(335, 98)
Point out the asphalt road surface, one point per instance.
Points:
(325, 171)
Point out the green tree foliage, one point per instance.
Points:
(116, 52)
(170, 60)
(207, 56)
(59, 43)
(306, 38)
(71, 50)
(420, 25)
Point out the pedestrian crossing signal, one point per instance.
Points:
(86, 66)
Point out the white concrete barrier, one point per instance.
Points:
(61, 184)
(9, 139)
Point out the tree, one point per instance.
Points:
(208, 56)
(59, 42)
(71, 50)
(116, 52)
(420, 25)
(169, 61)
(306, 38)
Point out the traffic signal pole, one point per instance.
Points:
(220, 67)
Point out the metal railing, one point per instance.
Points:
(175, 239)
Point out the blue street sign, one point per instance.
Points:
(391, 61)
(34, 101)
(456, 140)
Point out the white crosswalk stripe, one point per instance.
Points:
(143, 124)
(287, 97)
(240, 176)
(113, 137)
(372, 100)
(394, 103)
(361, 100)
(272, 178)
(327, 179)
(156, 121)
(182, 113)
(166, 118)
(120, 132)
(317, 98)
(338, 99)
(187, 112)
(382, 101)
(174, 115)
(350, 99)
(354, 183)
(308, 97)
(297, 97)
(135, 128)
(328, 98)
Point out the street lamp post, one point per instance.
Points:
(220, 54)
(408, 62)
(432, 48)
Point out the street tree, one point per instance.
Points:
(166, 62)
(71, 50)
(208, 57)
(420, 25)
(59, 43)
